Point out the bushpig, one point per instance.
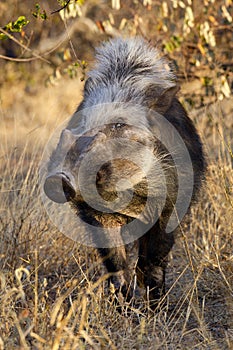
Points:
(130, 163)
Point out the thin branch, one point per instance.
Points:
(18, 59)
(23, 46)
(70, 41)
(62, 8)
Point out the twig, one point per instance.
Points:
(23, 46)
(62, 8)
(18, 59)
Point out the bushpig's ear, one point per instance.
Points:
(160, 100)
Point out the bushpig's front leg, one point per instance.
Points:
(122, 261)
(155, 246)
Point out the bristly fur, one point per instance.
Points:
(125, 69)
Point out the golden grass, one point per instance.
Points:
(53, 292)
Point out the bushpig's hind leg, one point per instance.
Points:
(154, 247)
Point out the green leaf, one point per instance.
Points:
(3, 36)
(37, 13)
(18, 25)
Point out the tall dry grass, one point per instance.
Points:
(53, 292)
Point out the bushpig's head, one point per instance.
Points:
(113, 153)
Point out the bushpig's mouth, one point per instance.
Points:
(58, 188)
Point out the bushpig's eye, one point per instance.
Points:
(118, 126)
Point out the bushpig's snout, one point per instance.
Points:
(59, 188)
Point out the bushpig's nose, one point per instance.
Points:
(58, 188)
